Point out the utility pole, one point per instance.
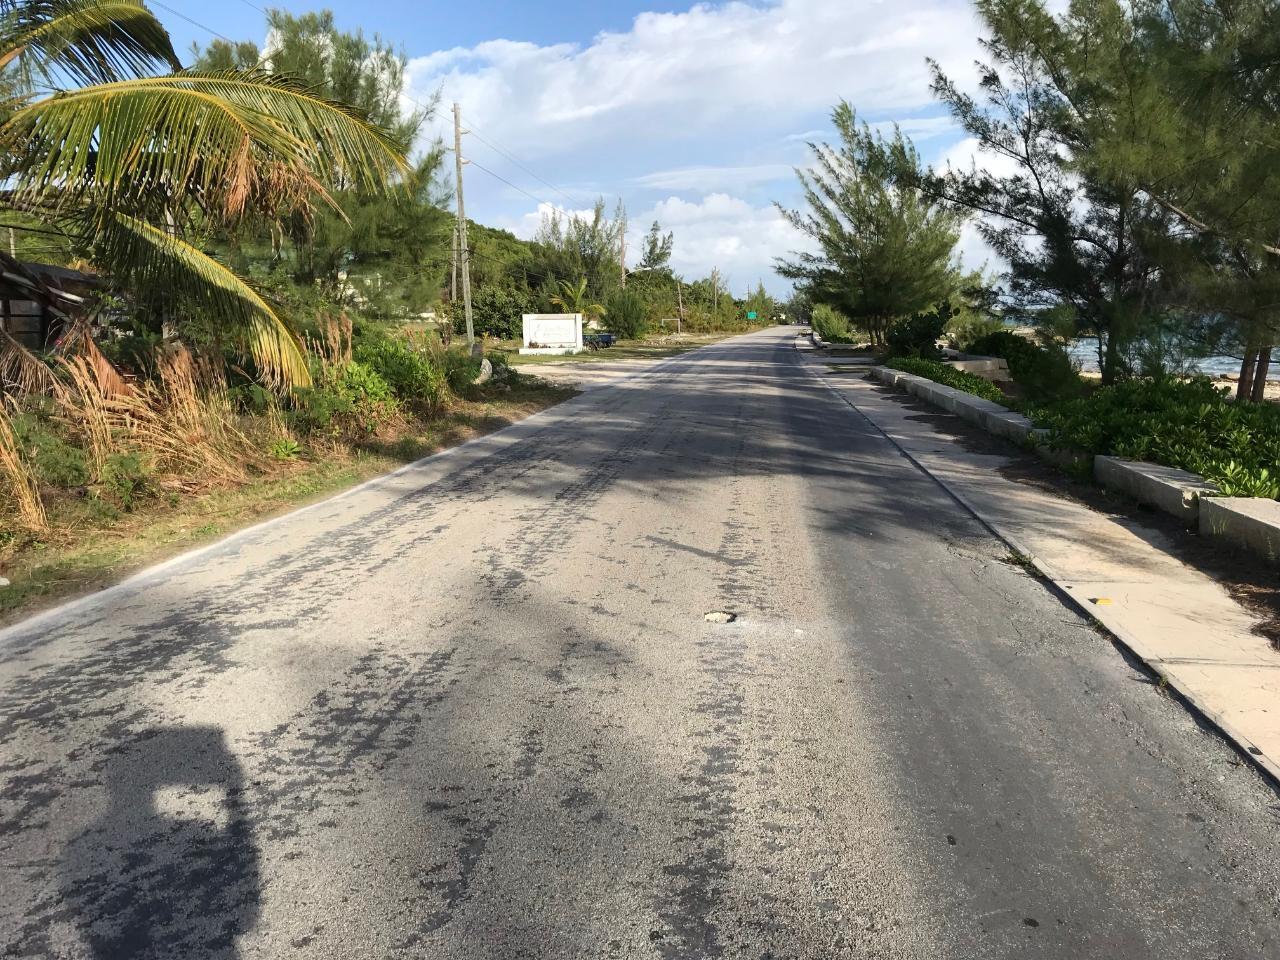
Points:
(464, 250)
(622, 257)
(680, 301)
(453, 266)
(715, 289)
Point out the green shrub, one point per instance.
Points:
(950, 377)
(125, 479)
(414, 375)
(355, 401)
(830, 324)
(1043, 372)
(917, 336)
(1185, 424)
(285, 449)
(460, 369)
(56, 462)
(494, 312)
(626, 315)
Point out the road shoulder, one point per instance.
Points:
(1184, 625)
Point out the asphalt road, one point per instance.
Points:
(475, 711)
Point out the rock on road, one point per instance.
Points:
(476, 711)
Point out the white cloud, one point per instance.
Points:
(725, 66)
(697, 117)
(727, 233)
(711, 178)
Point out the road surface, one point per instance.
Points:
(477, 711)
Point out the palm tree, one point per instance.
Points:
(573, 297)
(127, 160)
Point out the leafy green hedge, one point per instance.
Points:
(1043, 373)
(1189, 425)
(950, 377)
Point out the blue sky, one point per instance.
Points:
(692, 114)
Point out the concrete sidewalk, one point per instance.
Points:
(1185, 626)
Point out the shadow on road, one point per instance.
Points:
(170, 868)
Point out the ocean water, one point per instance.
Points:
(1085, 351)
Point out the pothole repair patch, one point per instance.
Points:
(720, 616)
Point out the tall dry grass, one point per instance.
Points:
(20, 479)
(182, 421)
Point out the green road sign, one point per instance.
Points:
(751, 314)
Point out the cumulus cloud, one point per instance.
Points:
(673, 75)
(697, 117)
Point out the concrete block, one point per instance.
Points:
(1007, 424)
(1176, 492)
(995, 369)
(1251, 522)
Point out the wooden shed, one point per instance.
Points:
(36, 299)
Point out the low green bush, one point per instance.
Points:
(415, 376)
(460, 369)
(917, 336)
(950, 377)
(831, 325)
(125, 479)
(56, 461)
(1042, 372)
(355, 401)
(1185, 424)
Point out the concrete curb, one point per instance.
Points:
(984, 414)
(1251, 521)
(1176, 492)
(1059, 586)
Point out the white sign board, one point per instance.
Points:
(552, 333)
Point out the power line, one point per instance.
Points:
(497, 149)
(497, 176)
(194, 23)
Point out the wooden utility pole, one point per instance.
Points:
(680, 301)
(453, 266)
(622, 248)
(464, 249)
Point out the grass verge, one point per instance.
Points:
(85, 552)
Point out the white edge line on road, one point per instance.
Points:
(499, 440)
(1238, 741)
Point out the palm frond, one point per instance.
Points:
(21, 371)
(141, 253)
(229, 140)
(88, 41)
(78, 342)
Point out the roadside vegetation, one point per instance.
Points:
(261, 307)
(1137, 206)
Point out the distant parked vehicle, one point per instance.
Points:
(595, 341)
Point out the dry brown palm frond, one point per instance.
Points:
(20, 478)
(78, 341)
(21, 371)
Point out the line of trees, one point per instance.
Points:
(389, 253)
(1138, 198)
